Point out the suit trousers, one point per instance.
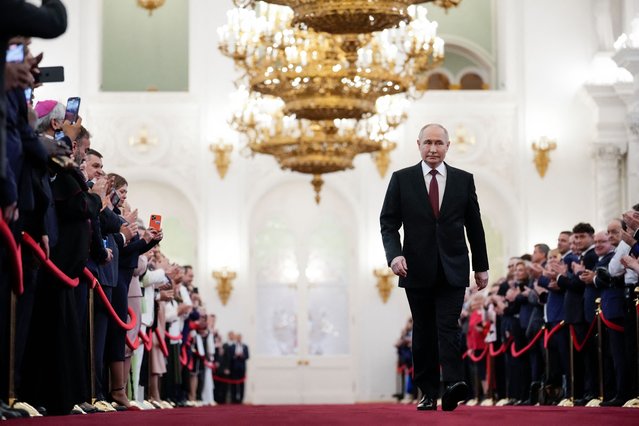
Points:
(436, 334)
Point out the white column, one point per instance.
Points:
(609, 147)
(608, 158)
(628, 57)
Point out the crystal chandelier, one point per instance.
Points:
(316, 100)
(352, 16)
(313, 146)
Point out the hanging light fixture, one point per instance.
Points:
(150, 5)
(352, 16)
(315, 100)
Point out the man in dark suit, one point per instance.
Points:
(569, 279)
(240, 354)
(434, 202)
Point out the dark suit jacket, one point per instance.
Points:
(427, 238)
(592, 292)
(612, 296)
(574, 287)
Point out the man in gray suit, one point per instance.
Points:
(434, 203)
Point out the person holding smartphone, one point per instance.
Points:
(127, 263)
(28, 160)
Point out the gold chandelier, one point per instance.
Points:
(352, 16)
(314, 146)
(316, 100)
(150, 5)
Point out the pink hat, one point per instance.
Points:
(43, 108)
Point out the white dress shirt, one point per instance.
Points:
(441, 179)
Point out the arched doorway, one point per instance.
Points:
(301, 262)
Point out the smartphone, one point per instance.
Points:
(49, 75)
(15, 53)
(28, 94)
(73, 107)
(115, 199)
(155, 222)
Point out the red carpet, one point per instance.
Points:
(358, 414)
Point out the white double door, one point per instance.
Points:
(302, 257)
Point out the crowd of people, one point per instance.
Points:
(94, 317)
(533, 336)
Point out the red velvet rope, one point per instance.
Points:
(135, 344)
(206, 362)
(183, 357)
(171, 337)
(580, 346)
(514, 352)
(611, 325)
(148, 341)
(30, 242)
(503, 348)
(548, 334)
(230, 381)
(127, 326)
(163, 347)
(478, 358)
(15, 256)
(140, 338)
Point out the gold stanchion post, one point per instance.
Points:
(597, 401)
(91, 348)
(12, 350)
(635, 401)
(570, 402)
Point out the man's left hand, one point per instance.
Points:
(481, 279)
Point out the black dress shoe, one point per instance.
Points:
(581, 402)
(427, 403)
(12, 413)
(453, 394)
(8, 413)
(614, 402)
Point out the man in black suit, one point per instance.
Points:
(569, 279)
(240, 354)
(434, 202)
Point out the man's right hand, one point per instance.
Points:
(399, 267)
(72, 130)
(100, 187)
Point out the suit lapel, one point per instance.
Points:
(450, 184)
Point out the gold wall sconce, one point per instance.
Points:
(224, 286)
(222, 152)
(385, 284)
(150, 5)
(542, 149)
(382, 157)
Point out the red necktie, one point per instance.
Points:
(433, 193)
